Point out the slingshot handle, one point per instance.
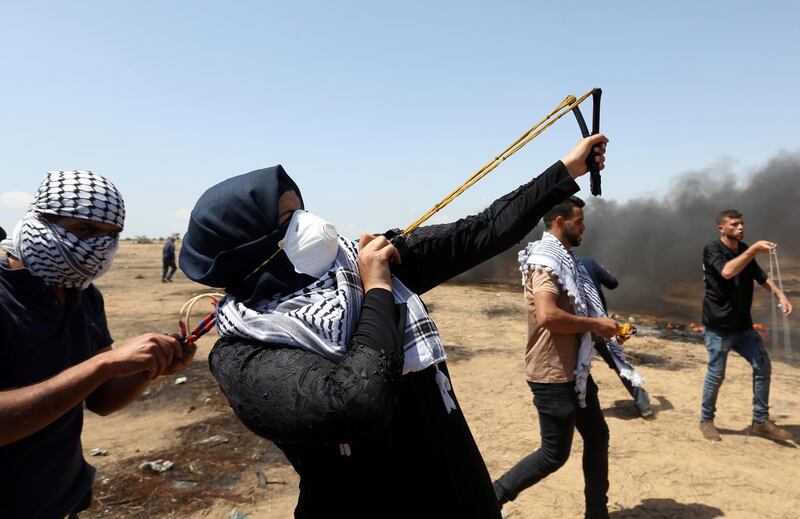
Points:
(594, 167)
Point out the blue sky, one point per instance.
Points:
(379, 109)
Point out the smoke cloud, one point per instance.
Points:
(654, 245)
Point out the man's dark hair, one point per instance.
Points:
(564, 210)
(727, 213)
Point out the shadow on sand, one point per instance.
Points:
(793, 429)
(625, 410)
(656, 361)
(457, 353)
(668, 509)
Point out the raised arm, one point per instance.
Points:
(732, 268)
(437, 253)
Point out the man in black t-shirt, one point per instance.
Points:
(729, 269)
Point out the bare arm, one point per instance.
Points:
(733, 267)
(783, 301)
(119, 392)
(26, 410)
(556, 320)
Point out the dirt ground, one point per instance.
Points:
(659, 468)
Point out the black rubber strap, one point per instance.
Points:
(581, 121)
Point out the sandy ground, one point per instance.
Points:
(658, 469)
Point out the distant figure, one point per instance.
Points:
(603, 278)
(168, 266)
(729, 269)
(55, 346)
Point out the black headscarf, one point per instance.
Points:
(233, 228)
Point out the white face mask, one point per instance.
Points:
(311, 244)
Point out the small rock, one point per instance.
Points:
(207, 400)
(632, 319)
(181, 380)
(184, 484)
(98, 452)
(213, 440)
(191, 408)
(262, 479)
(236, 514)
(156, 466)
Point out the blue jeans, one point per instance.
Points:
(749, 345)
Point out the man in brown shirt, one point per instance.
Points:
(550, 358)
(554, 333)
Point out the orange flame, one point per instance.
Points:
(762, 330)
(698, 328)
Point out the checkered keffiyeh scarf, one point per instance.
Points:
(80, 194)
(54, 254)
(549, 254)
(322, 317)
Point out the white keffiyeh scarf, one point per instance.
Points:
(322, 317)
(551, 255)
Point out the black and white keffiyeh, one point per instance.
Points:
(54, 254)
(322, 317)
(80, 194)
(550, 254)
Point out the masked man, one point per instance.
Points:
(55, 346)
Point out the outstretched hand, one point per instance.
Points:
(575, 161)
(763, 246)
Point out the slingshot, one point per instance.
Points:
(205, 324)
(569, 104)
(775, 274)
